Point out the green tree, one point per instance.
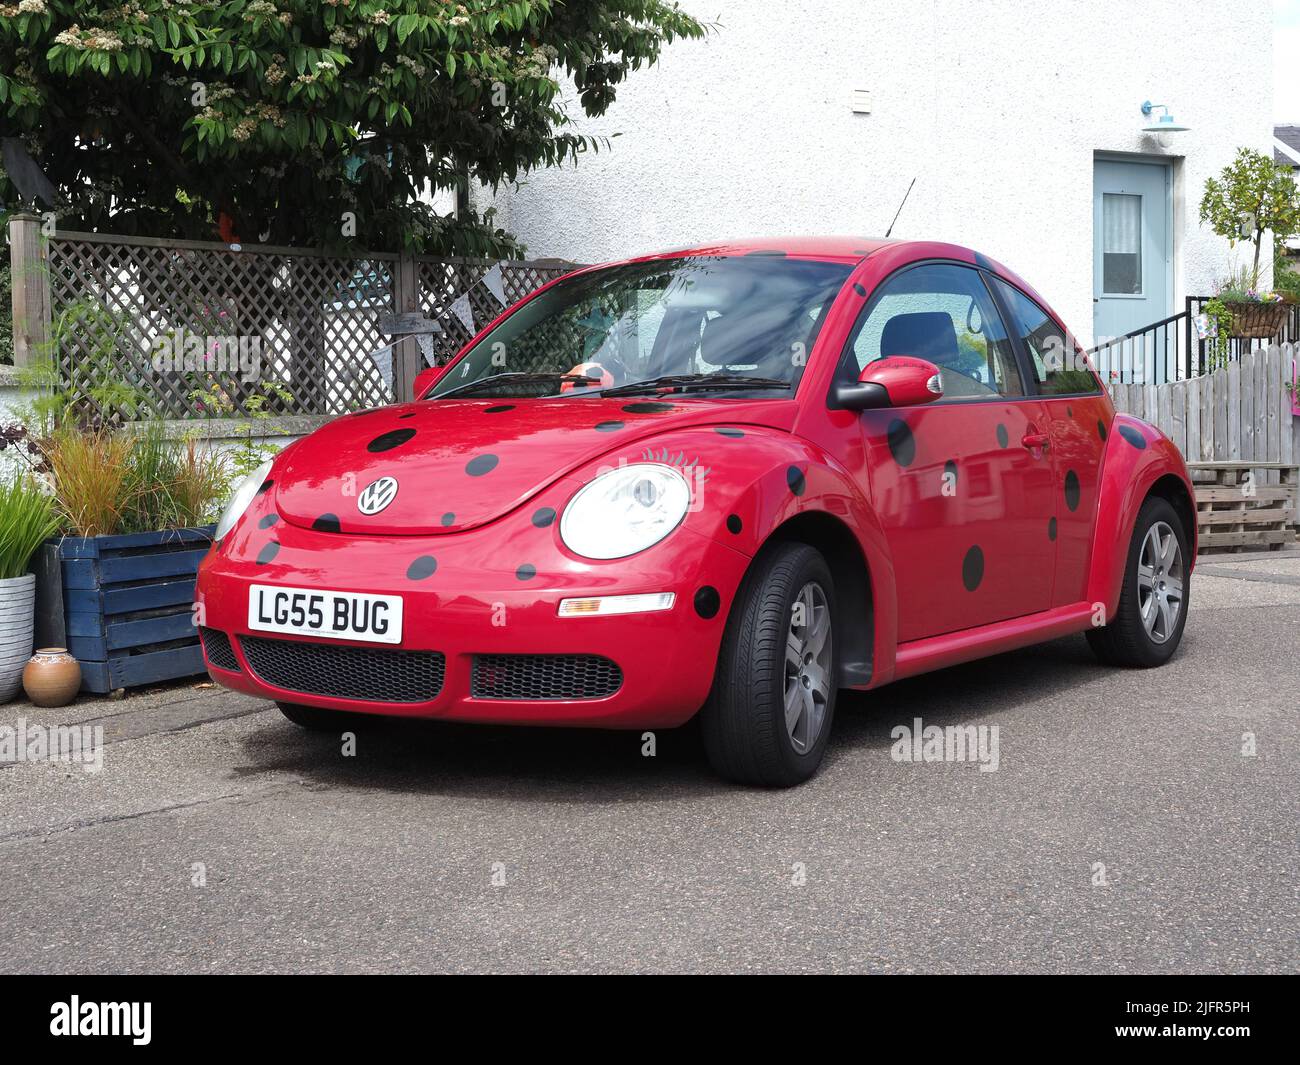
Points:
(315, 122)
(1249, 198)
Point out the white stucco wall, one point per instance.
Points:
(996, 106)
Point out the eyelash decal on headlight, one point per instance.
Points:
(679, 460)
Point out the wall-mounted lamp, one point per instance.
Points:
(1164, 124)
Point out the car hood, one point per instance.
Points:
(461, 463)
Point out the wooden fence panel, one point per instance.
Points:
(1241, 413)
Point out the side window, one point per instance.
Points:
(1061, 368)
(944, 313)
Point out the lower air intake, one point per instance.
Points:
(544, 677)
(373, 674)
(216, 645)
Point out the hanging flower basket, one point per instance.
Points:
(1257, 321)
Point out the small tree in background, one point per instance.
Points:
(1250, 197)
(308, 121)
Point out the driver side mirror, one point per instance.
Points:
(894, 381)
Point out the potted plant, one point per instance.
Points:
(27, 518)
(118, 590)
(1256, 313)
(1249, 198)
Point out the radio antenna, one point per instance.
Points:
(900, 209)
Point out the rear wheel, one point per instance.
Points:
(1148, 625)
(773, 699)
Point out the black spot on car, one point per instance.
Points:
(500, 408)
(268, 520)
(408, 414)
(422, 567)
(707, 601)
(481, 464)
(268, 552)
(795, 479)
(608, 427)
(972, 568)
(449, 518)
(1072, 490)
(526, 572)
(327, 523)
(265, 487)
(950, 473)
(1101, 429)
(1003, 438)
(902, 444)
(647, 408)
(733, 434)
(1051, 528)
(1069, 412)
(859, 289)
(734, 524)
(390, 440)
(1133, 436)
(544, 517)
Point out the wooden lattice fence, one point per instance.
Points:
(271, 329)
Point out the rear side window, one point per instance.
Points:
(1059, 365)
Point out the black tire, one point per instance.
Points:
(743, 722)
(1124, 640)
(319, 720)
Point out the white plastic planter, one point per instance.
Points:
(17, 614)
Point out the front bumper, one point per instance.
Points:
(495, 591)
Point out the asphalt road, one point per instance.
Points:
(307, 860)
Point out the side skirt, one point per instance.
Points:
(953, 648)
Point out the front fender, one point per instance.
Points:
(1137, 456)
(748, 481)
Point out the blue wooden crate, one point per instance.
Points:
(126, 604)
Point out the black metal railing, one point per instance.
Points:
(1172, 349)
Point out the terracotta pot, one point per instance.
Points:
(52, 677)
(17, 614)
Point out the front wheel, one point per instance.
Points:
(1148, 625)
(769, 714)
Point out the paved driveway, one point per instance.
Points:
(1123, 831)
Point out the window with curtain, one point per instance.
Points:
(1121, 246)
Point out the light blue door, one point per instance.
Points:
(1131, 263)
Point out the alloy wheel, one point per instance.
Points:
(1160, 577)
(807, 666)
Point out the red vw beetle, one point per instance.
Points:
(728, 481)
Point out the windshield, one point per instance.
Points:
(739, 325)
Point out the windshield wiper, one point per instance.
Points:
(688, 382)
(517, 377)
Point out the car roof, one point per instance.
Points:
(847, 249)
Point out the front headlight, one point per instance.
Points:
(243, 496)
(625, 511)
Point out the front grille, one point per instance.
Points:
(379, 675)
(544, 677)
(216, 645)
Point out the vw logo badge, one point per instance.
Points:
(377, 495)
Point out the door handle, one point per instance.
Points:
(1032, 440)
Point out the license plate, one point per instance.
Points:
(311, 612)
